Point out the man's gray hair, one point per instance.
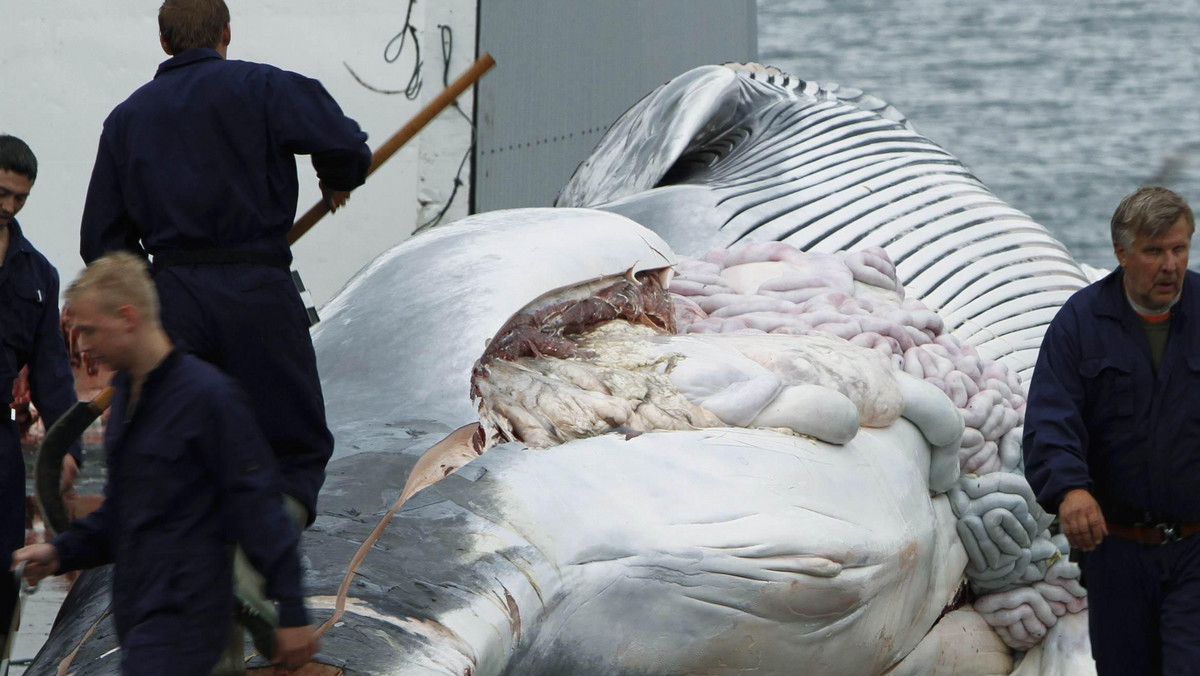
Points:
(1150, 211)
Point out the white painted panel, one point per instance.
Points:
(66, 63)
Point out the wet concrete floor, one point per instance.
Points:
(41, 607)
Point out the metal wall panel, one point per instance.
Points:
(566, 69)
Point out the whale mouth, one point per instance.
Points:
(545, 326)
(582, 361)
(525, 365)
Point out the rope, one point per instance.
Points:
(66, 662)
(391, 53)
(414, 82)
(447, 35)
(339, 608)
(340, 605)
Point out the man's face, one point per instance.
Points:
(106, 336)
(14, 188)
(1154, 266)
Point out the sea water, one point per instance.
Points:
(1061, 108)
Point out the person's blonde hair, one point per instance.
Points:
(116, 279)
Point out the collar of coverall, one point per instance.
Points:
(1150, 315)
(16, 242)
(1113, 302)
(187, 58)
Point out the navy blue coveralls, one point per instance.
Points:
(189, 475)
(1099, 418)
(197, 168)
(29, 336)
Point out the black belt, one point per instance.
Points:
(1155, 533)
(166, 259)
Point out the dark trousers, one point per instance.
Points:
(12, 512)
(1144, 607)
(249, 320)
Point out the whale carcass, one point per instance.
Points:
(643, 488)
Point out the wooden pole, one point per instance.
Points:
(389, 147)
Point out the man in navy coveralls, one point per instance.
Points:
(29, 336)
(189, 475)
(197, 168)
(1112, 440)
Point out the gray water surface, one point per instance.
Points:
(1061, 108)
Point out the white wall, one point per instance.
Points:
(65, 64)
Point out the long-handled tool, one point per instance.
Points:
(390, 146)
(383, 154)
(69, 427)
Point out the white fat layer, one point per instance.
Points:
(640, 381)
(829, 415)
(544, 401)
(859, 374)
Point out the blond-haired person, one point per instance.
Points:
(189, 476)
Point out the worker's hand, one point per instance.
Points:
(42, 558)
(1081, 520)
(70, 472)
(334, 199)
(295, 646)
